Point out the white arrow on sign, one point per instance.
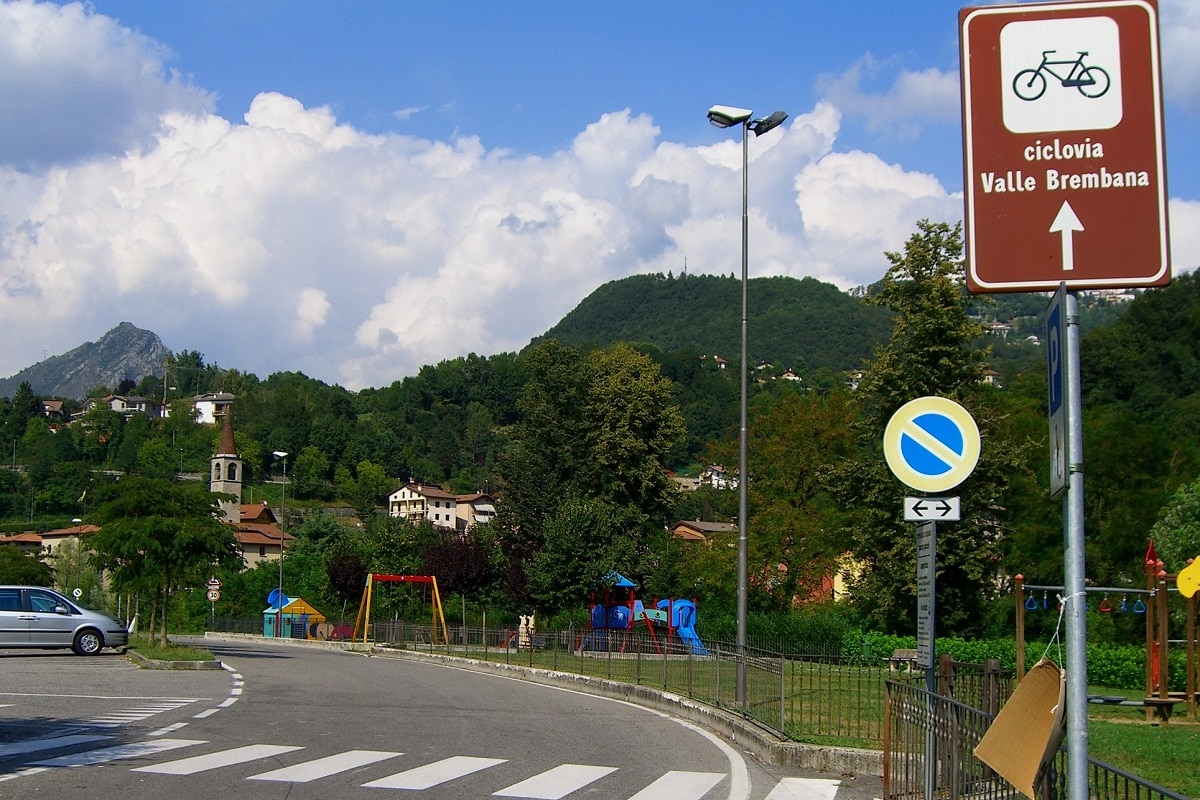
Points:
(932, 509)
(1067, 222)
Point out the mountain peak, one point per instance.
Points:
(125, 352)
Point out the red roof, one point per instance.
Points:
(260, 535)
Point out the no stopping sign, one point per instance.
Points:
(931, 444)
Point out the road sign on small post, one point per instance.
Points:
(1056, 374)
(1064, 174)
(932, 509)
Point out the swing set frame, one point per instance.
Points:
(1152, 603)
(363, 621)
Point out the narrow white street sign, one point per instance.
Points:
(932, 509)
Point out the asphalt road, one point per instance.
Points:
(301, 723)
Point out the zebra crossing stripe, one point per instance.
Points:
(36, 745)
(322, 767)
(556, 783)
(222, 758)
(122, 751)
(436, 773)
(552, 784)
(678, 785)
(804, 789)
(137, 714)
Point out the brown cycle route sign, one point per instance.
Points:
(1064, 171)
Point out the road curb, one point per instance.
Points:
(153, 663)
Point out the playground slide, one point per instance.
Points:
(684, 614)
(693, 641)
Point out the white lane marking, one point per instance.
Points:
(556, 783)
(436, 773)
(183, 700)
(35, 745)
(227, 702)
(121, 751)
(679, 785)
(222, 758)
(739, 774)
(136, 714)
(804, 789)
(205, 714)
(323, 767)
(21, 773)
(168, 729)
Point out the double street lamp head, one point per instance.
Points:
(761, 126)
(728, 116)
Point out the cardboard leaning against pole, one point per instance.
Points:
(1025, 735)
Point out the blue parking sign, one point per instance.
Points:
(1056, 377)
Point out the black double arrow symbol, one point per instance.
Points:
(921, 506)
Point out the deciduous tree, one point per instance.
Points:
(158, 535)
(594, 427)
(933, 350)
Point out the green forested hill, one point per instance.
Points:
(794, 324)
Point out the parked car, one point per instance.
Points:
(33, 616)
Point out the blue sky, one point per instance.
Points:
(354, 190)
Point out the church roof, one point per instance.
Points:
(226, 446)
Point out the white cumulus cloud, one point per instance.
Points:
(290, 240)
(77, 84)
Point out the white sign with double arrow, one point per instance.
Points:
(932, 509)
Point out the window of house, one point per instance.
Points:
(262, 550)
(232, 472)
(216, 472)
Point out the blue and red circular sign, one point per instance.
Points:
(931, 444)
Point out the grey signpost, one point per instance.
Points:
(931, 444)
(1064, 187)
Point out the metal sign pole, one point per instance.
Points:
(1076, 621)
(927, 641)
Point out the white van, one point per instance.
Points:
(33, 616)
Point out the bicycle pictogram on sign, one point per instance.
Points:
(1090, 80)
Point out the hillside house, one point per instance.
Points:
(718, 477)
(127, 407)
(473, 509)
(693, 530)
(210, 407)
(258, 534)
(47, 543)
(415, 501)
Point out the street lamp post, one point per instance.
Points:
(282, 524)
(727, 117)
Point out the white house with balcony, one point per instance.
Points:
(415, 501)
(210, 407)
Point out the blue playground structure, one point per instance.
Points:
(612, 620)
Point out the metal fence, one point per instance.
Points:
(805, 696)
(929, 751)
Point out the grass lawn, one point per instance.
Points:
(1165, 754)
(172, 652)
